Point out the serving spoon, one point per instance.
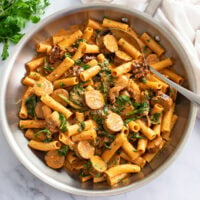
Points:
(119, 33)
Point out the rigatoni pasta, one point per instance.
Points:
(94, 108)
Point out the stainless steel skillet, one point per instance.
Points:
(11, 91)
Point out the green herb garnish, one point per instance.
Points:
(107, 145)
(47, 140)
(77, 62)
(139, 108)
(61, 84)
(155, 118)
(47, 67)
(76, 44)
(14, 14)
(85, 66)
(63, 150)
(82, 126)
(63, 123)
(120, 103)
(45, 131)
(136, 136)
(67, 55)
(88, 164)
(30, 103)
(130, 119)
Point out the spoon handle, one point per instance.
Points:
(185, 92)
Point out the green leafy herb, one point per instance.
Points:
(105, 110)
(63, 150)
(155, 118)
(77, 62)
(76, 44)
(47, 140)
(139, 108)
(103, 133)
(39, 84)
(97, 116)
(14, 14)
(67, 55)
(85, 66)
(136, 136)
(120, 103)
(76, 94)
(61, 84)
(47, 67)
(63, 123)
(130, 119)
(82, 126)
(5, 53)
(88, 164)
(107, 145)
(45, 131)
(30, 103)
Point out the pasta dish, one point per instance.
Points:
(93, 107)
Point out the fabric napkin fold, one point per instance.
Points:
(181, 18)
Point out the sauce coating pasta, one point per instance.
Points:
(95, 109)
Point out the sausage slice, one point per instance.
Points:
(110, 43)
(42, 87)
(94, 99)
(122, 56)
(63, 92)
(38, 110)
(113, 123)
(84, 149)
(54, 160)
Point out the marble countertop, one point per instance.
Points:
(180, 181)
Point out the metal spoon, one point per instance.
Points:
(118, 33)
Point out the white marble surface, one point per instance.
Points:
(180, 181)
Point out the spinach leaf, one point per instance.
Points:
(63, 120)
(46, 131)
(155, 118)
(30, 103)
(63, 150)
(139, 108)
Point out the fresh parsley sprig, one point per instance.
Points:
(14, 14)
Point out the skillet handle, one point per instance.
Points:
(152, 7)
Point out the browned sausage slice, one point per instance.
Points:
(54, 160)
(98, 164)
(38, 110)
(122, 56)
(63, 93)
(94, 99)
(84, 149)
(113, 123)
(110, 43)
(42, 87)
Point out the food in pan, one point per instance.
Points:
(96, 110)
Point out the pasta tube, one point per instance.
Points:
(61, 69)
(130, 49)
(42, 146)
(50, 102)
(152, 44)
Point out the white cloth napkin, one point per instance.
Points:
(181, 18)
